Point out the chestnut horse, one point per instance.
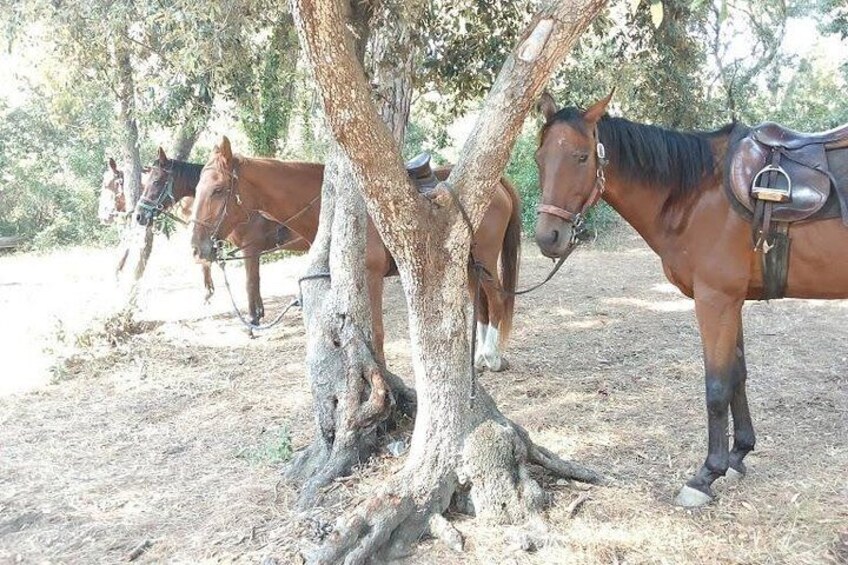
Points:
(111, 202)
(171, 183)
(669, 186)
(232, 186)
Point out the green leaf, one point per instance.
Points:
(656, 13)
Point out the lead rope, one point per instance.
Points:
(297, 301)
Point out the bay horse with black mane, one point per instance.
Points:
(172, 183)
(233, 186)
(694, 198)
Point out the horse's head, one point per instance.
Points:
(157, 190)
(111, 201)
(571, 163)
(217, 204)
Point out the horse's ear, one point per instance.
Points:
(113, 165)
(546, 106)
(225, 149)
(597, 110)
(163, 159)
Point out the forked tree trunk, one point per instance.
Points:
(461, 442)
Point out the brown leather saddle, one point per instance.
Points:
(776, 177)
(419, 170)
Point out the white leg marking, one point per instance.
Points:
(491, 352)
(479, 360)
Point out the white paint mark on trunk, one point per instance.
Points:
(534, 43)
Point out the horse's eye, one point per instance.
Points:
(583, 158)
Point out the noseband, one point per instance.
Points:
(576, 218)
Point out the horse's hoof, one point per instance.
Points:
(497, 365)
(734, 476)
(689, 497)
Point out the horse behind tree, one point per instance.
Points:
(233, 186)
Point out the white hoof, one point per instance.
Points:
(689, 497)
(496, 363)
(479, 363)
(733, 476)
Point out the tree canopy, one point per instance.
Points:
(234, 67)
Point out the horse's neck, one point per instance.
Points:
(185, 184)
(640, 205)
(281, 195)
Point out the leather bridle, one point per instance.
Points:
(577, 218)
(159, 204)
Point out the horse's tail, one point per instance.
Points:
(510, 257)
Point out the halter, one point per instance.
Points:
(159, 204)
(577, 218)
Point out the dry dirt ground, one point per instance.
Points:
(170, 442)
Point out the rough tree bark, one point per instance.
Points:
(461, 442)
(352, 393)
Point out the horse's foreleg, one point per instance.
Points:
(254, 298)
(720, 321)
(743, 428)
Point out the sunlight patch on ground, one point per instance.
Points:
(666, 288)
(585, 324)
(654, 306)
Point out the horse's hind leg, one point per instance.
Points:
(494, 300)
(720, 321)
(482, 322)
(743, 428)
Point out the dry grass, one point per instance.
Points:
(171, 437)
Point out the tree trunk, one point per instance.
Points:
(352, 394)
(461, 442)
(126, 100)
(189, 131)
(286, 43)
(136, 241)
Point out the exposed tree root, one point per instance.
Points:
(368, 402)
(490, 466)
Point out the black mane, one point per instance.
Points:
(653, 155)
(186, 175)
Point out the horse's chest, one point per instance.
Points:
(678, 279)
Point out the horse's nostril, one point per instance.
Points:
(554, 236)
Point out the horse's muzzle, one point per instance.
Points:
(553, 242)
(143, 217)
(204, 252)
